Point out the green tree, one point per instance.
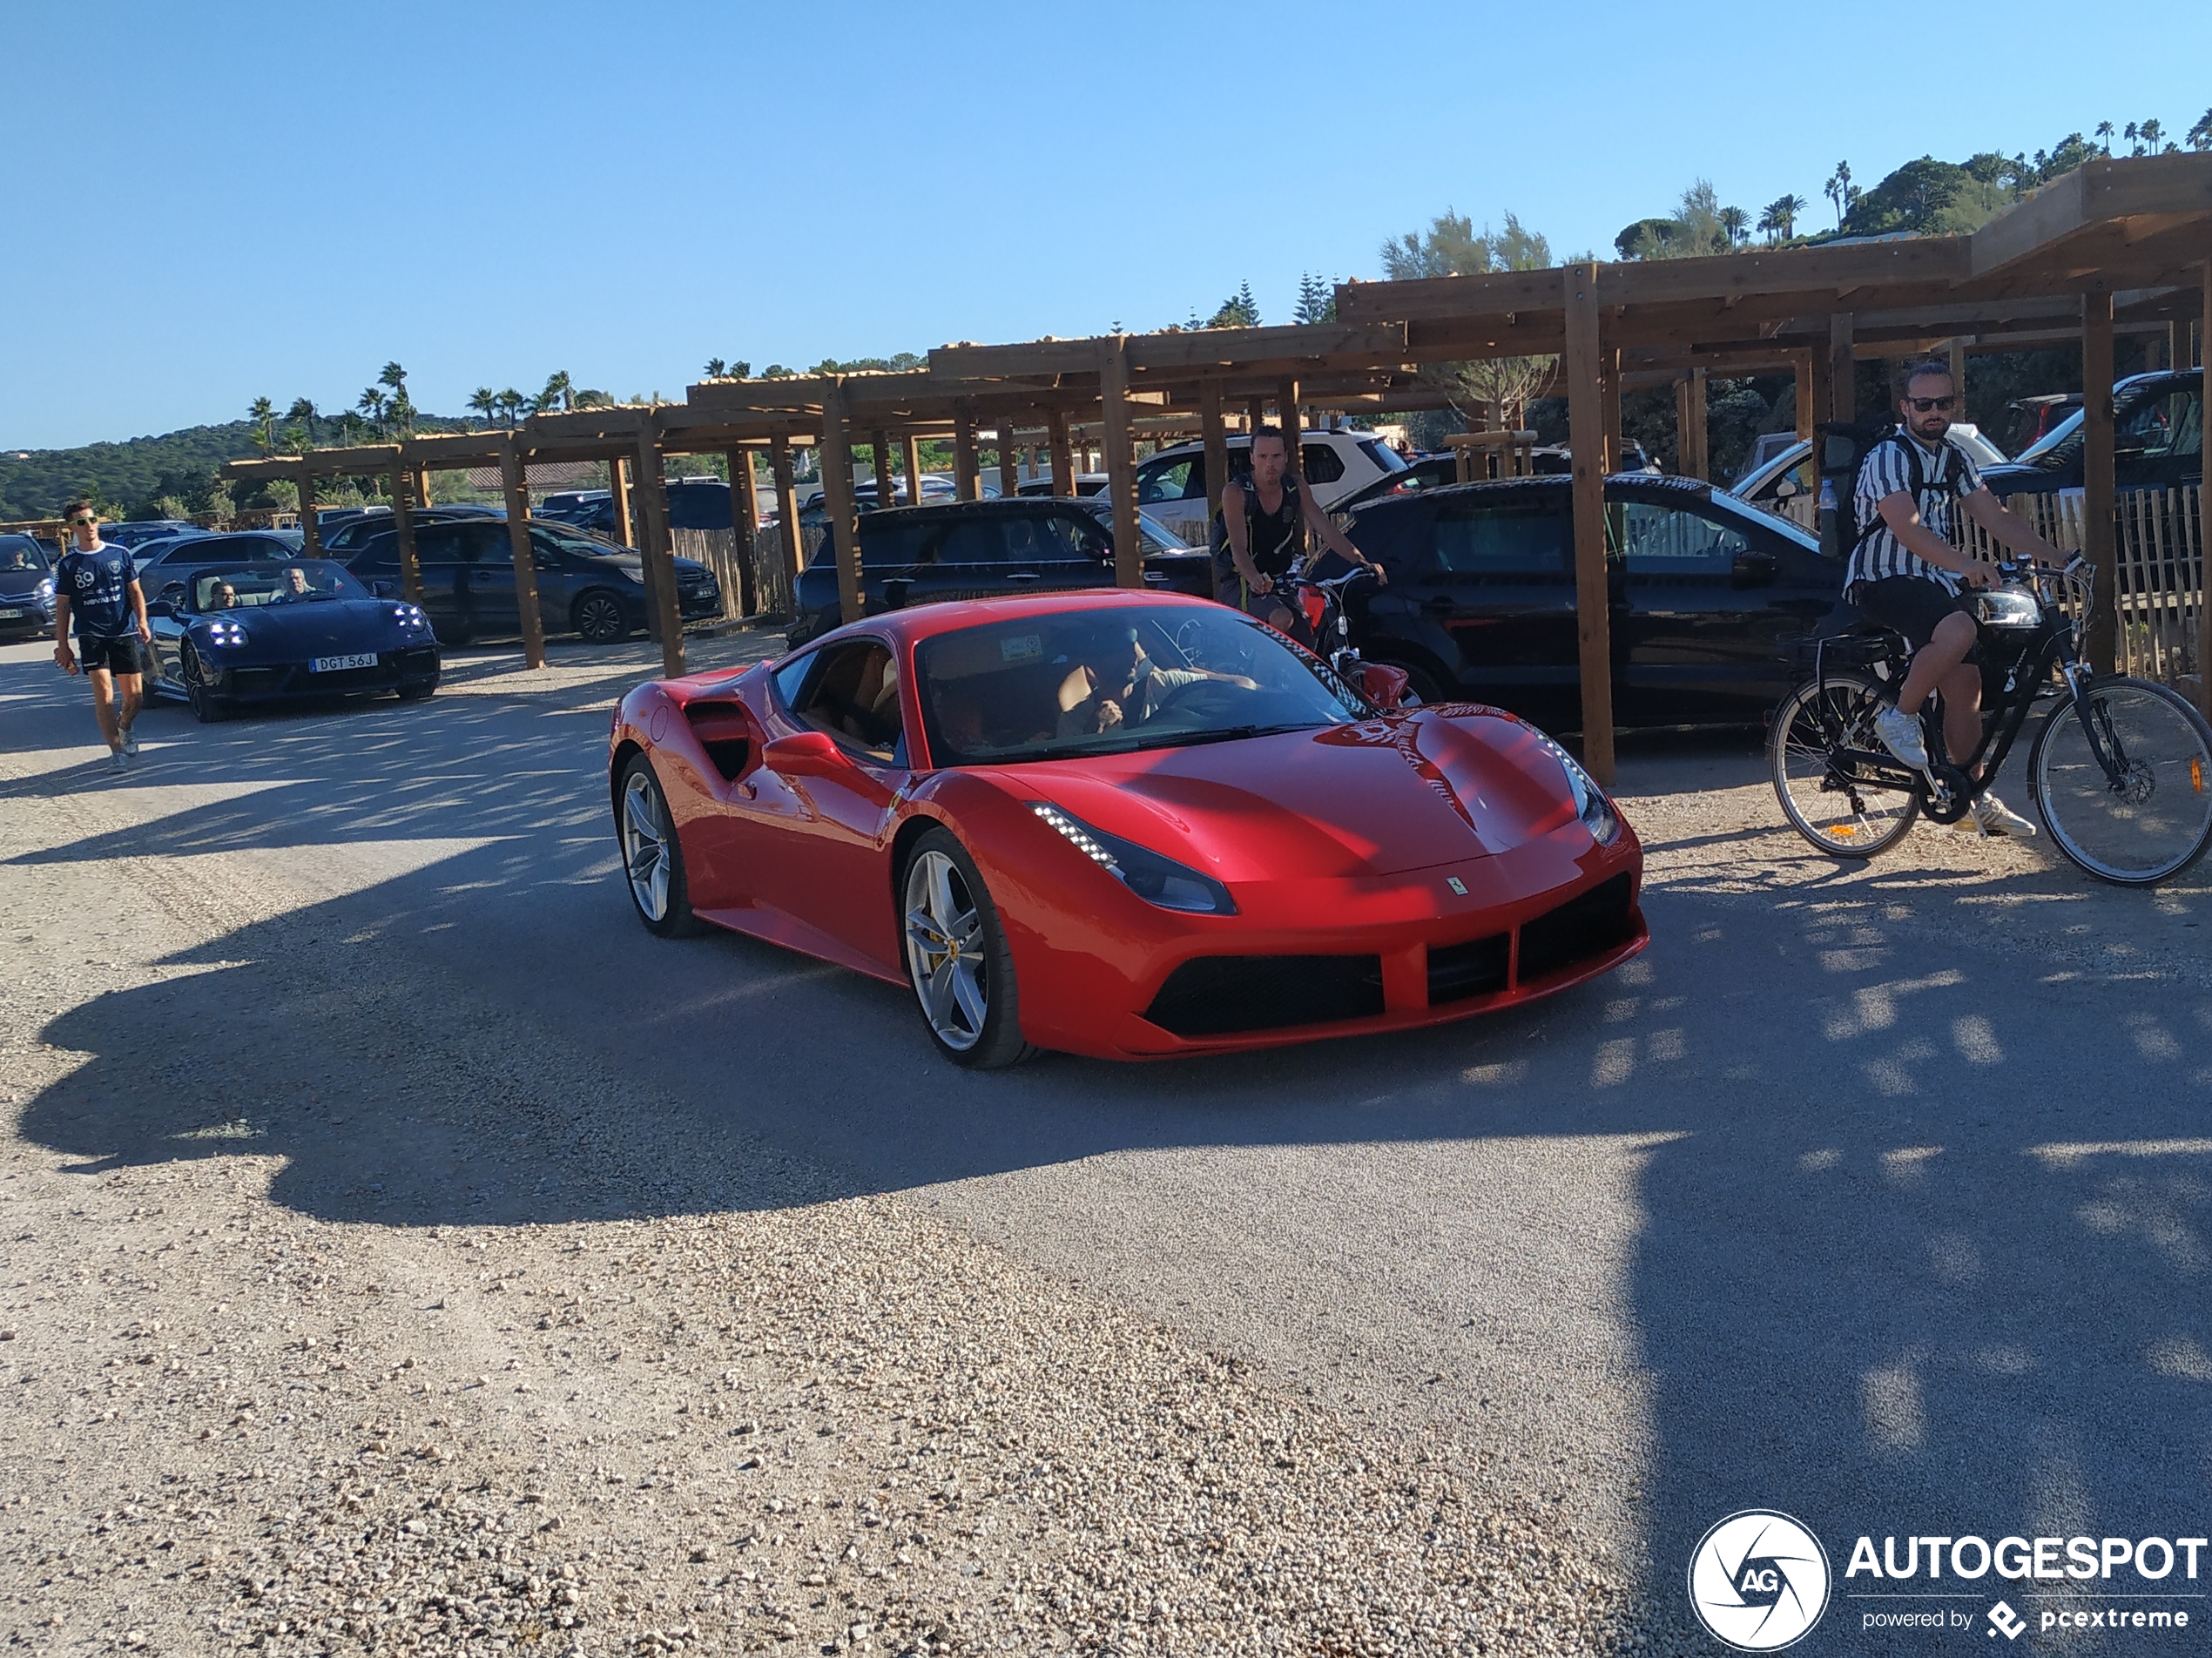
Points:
(2200, 136)
(371, 403)
(1779, 220)
(1239, 310)
(559, 392)
(1736, 225)
(1839, 191)
(715, 369)
(1316, 299)
(1497, 389)
(484, 401)
(303, 416)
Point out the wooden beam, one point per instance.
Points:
(1009, 462)
(786, 508)
(658, 551)
(1955, 354)
(403, 526)
(516, 483)
(837, 501)
(965, 465)
(1843, 378)
(1585, 437)
(1814, 402)
(1121, 461)
(2102, 639)
(744, 524)
(304, 479)
(1215, 437)
(1293, 442)
(1609, 358)
(619, 488)
(913, 449)
(422, 487)
(880, 460)
(1063, 457)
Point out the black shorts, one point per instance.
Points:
(1911, 604)
(123, 656)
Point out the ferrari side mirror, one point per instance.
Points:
(804, 751)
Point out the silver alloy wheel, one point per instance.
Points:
(645, 845)
(599, 618)
(945, 951)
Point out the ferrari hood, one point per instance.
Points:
(1376, 797)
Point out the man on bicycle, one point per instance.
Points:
(1258, 533)
(1905, 575)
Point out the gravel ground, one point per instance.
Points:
(766, 1422)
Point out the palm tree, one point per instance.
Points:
(483, 401)
(2151, 131)
(395, 377)
(2104, 135)
(1736, 225)
(716, 368)
(371, 403)
(512, 403)
(590, 399)
(560, 391)
(303, 412)
(262, 413)
(1838, 190)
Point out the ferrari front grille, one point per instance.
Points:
(1475, 969)
(1586, 925)
(1220, 995)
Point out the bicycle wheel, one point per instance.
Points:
(2127, 793)
(1843, 817)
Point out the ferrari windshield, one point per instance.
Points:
(1108, 681)
(250, 586)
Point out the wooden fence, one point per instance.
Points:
(716, 549)
(2160, 554)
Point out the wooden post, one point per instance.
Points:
(1063, 458)
(912, 445)
(1955, 353)
(1700, 446)
(964, 462)
(422, 487)
(403, 524)
(1585, 437)
(1121, 460)
(1843, 374)
(659, 553)
(744, 524)
(518, 546)
(2203, 494)
(1255, 414)
(618, 487)
(2177, 343)
(1217, 441)
(1823, 398)
(309, 528)
(1685, 461)
(1293, 451)
(1801, 371)
(2101, 642)
(786, 506)
(1009, 462)
(836, 500)
(880, 459)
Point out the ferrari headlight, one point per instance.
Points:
(1151, 877)
(1590, 803)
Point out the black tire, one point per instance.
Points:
(1838, 819)
(652, 873)
(960, 915)
(418, 693)
(2156, 825)
(597, 617)
(207, 708)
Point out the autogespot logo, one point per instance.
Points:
(1759, 1581)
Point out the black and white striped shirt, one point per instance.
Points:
(1886, 471)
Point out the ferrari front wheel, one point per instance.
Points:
(957, 958)
(652, 856)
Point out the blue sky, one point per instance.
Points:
(211, 203)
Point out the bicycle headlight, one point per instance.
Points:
(1155, 878)
(2008, 607)
(1590, 803)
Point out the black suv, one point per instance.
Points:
(2157, 440)
(1707, 598)
(585, 585)
(981, 549)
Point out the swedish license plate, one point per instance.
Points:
(338, 664)
(9, 615)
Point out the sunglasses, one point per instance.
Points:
(1929, 405)
(84, 518)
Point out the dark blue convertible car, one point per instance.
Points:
(262, 633)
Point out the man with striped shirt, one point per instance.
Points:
(1906, 574)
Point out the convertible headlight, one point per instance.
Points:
(410, 616)
(2008, 607)
(225, 633)
(1590, 803)
(1152, 878)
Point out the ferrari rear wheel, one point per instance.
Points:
(652, 856)
(957, 958)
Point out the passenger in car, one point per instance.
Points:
(1115, 684)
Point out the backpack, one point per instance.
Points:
(1843, 449)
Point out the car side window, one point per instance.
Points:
(1525, 539)
(1066, 539)
(2164, 426)
(1172, 480)
(440, 544)
(852, 693)
(1670, 541)
(546, 552)
(790, 678)
(975, 541)
(1322, 464)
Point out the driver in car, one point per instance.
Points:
(1115, 684)
(296, 585)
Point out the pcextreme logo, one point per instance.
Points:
(1759, 1581)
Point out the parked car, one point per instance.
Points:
(966, 550)
(26, 587)
(137, 532)
(227, 637)
(1086, 484)
(585, 586)
(346, 539)
(2035, 416)
(1155, 536)
(2158, 441)
(1707, 598)
(178, 555)
(1423, 472)
(1172, 483)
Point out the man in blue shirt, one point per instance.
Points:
(96, 586)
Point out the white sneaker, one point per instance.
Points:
(1994, 817)
(1900, 734)
(118, 759)
(130, 741)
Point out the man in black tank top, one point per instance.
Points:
(1259, 533)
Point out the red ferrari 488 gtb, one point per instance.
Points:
(1120, 823)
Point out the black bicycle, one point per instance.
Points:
(2121, 769)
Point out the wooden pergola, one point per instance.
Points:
(2115, 245)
